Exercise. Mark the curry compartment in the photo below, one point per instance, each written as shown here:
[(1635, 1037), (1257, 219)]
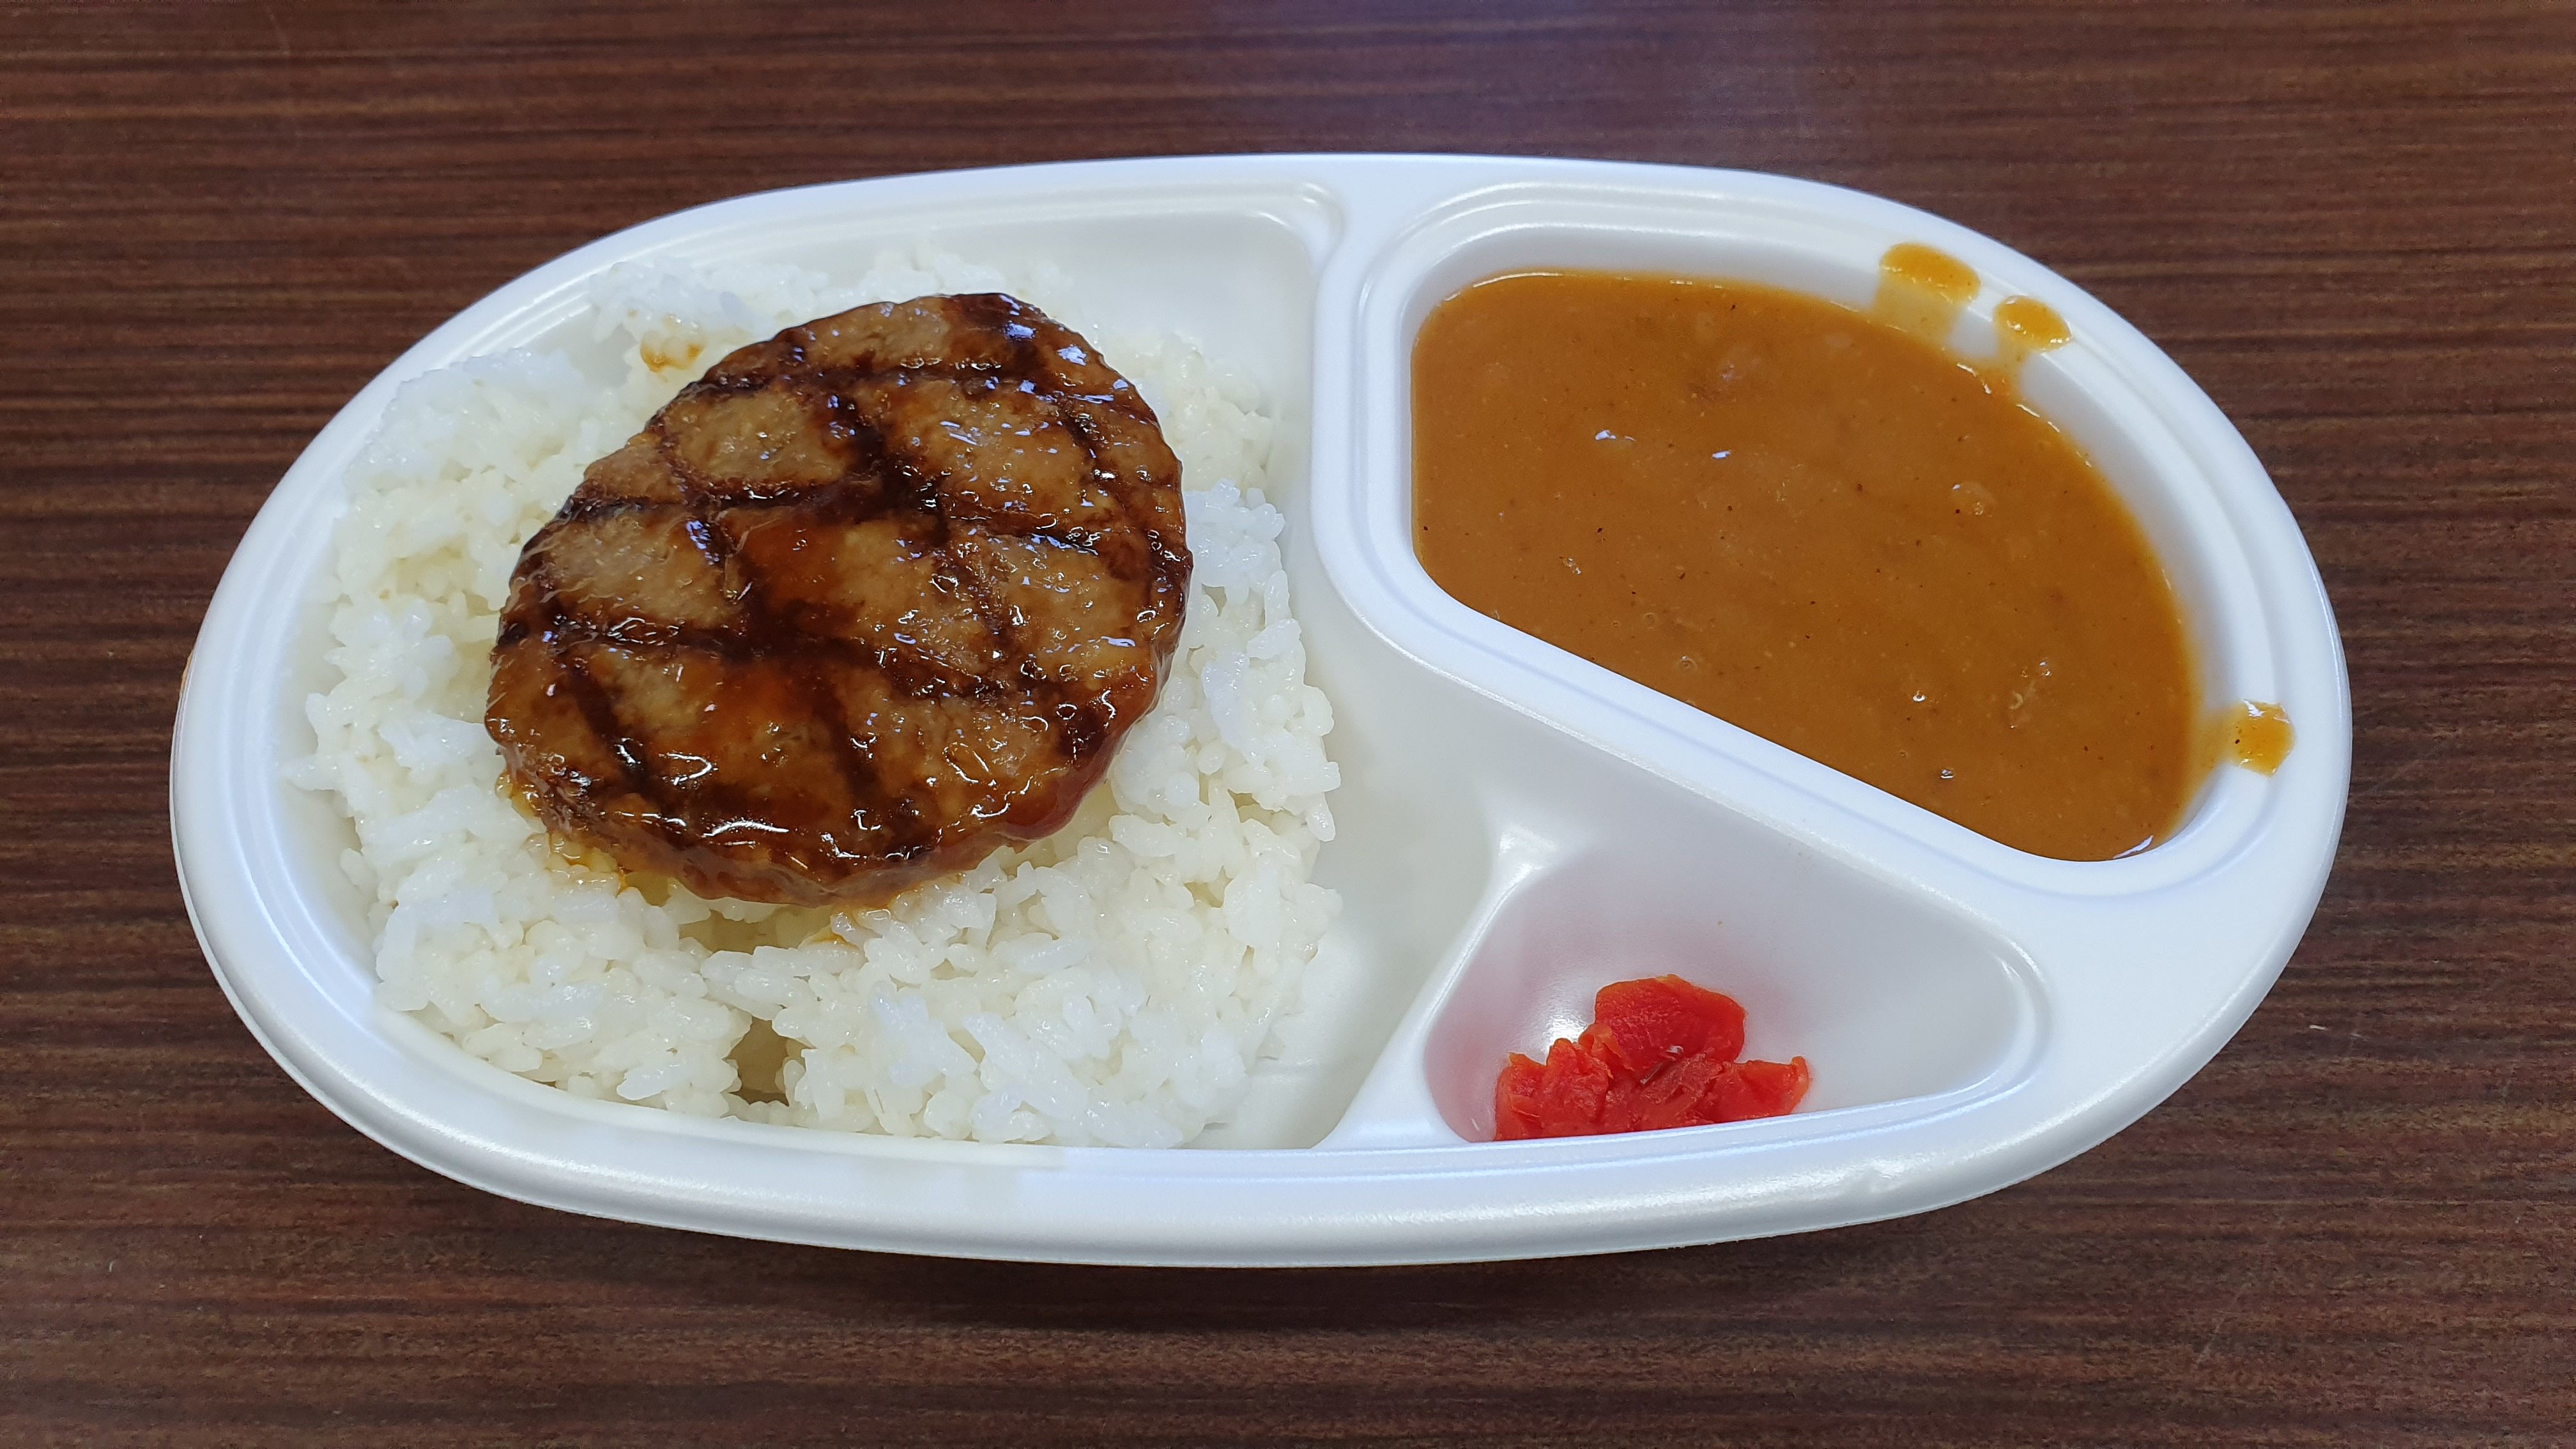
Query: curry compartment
[(1515, 827), (2137, 453)]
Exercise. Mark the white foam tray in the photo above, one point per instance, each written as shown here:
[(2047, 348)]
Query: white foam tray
[(1517, 826)]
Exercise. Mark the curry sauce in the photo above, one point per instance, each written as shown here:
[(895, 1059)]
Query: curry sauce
[(1821, 526)]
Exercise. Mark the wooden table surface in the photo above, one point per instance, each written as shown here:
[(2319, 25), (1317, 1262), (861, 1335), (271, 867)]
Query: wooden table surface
[(2355, 225)]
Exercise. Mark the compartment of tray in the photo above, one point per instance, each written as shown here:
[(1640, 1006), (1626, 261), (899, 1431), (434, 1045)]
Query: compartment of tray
[(1887, 995), (1234, 270), (1601, 871)]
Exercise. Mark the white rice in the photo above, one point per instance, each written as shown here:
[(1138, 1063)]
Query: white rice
[(1112, 984)]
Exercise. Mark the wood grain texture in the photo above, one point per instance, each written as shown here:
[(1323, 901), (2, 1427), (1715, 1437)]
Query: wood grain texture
[(2355, 224)]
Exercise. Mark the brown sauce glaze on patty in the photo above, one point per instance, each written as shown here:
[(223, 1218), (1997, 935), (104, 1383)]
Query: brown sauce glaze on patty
[(869, 600)]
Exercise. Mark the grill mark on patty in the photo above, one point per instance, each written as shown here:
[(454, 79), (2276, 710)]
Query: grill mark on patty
[(598, 708), (600, 712), (769, 636), (844, 416)]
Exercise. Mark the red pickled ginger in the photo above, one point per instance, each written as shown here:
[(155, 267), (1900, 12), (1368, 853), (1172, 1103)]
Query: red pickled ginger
[(1660, 1052)]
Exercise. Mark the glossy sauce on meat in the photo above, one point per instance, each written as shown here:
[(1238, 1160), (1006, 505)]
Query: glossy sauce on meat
[(869, 600), (1821, 526)]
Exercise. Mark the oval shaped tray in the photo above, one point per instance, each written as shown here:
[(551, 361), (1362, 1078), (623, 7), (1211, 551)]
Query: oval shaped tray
[(1517, 826)]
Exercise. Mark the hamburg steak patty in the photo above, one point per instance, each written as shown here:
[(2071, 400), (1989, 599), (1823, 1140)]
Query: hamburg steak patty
[(868, 600)]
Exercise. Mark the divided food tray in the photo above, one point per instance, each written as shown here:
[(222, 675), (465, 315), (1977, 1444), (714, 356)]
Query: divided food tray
[(1517, 826)]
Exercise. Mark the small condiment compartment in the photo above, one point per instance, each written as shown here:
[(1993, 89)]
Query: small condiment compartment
[(1517, 826)]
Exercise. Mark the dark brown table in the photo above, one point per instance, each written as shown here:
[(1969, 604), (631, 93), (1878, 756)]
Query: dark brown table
[(2356, 225)]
